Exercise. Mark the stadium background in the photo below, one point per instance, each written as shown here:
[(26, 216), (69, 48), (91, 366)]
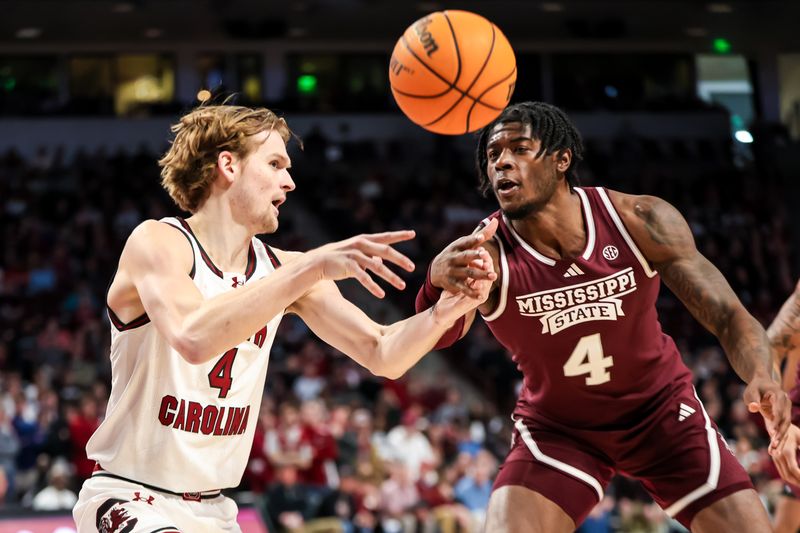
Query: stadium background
[(698, 102)]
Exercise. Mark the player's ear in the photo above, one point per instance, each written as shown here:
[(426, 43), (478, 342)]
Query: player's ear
[(227, 164), (563, 159)]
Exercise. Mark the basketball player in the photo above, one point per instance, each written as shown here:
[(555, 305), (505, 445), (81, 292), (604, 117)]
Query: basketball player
[(195, 305), (605, 391), (784, 334)]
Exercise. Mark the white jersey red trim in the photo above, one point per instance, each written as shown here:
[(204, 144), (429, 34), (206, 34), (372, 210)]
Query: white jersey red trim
[(175, 425)]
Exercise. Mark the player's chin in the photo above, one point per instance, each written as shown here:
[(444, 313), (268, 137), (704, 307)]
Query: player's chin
[(270, 224)]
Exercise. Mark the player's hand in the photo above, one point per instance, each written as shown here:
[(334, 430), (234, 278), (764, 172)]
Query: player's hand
[(785, 456), (764, 395), (354, 257), (452, 269), (452, 305)]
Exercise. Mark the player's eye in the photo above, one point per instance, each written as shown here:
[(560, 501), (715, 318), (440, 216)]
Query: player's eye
[(521, 149), (492, 155), (274, 164)]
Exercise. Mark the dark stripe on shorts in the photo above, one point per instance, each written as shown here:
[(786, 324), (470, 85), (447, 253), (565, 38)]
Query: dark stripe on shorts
[(103, 473)]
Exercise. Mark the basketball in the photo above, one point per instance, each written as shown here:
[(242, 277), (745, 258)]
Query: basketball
[(452, 72)]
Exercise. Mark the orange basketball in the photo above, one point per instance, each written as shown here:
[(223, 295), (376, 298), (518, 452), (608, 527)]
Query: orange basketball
[(452, 72)]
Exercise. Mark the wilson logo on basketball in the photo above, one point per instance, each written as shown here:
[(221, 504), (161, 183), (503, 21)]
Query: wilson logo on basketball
[(425, 37), (561, 308)]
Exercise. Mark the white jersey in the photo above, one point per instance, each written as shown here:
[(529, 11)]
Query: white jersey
[(175, 425)]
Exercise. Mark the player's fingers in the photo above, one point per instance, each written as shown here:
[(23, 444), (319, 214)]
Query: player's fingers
[(375, 264), (364, 278), (486, 264), (786, 463), (474, 272), (487, 232), (466, 289), (753, 407), (790, 453), (465, 257), (385, 252), (390, 237)]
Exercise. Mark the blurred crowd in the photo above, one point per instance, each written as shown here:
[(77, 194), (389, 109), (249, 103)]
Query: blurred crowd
[(337, 448)]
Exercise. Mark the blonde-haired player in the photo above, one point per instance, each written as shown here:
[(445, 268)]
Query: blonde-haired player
[(194, 307)]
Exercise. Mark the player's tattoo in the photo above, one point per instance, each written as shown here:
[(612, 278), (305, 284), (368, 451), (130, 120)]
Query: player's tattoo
[(654, 226), (783, 329), (704, 291), (783, 345)]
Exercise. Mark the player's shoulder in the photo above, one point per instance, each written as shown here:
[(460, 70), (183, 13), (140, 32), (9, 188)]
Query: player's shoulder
[(156, 242), (635, 208), (286, 256), (657, 227)]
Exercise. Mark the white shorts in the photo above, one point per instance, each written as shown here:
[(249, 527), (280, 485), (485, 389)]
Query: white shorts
[(109, 505)]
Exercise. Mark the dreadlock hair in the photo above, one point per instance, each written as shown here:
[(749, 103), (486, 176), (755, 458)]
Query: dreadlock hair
[(548, 123)]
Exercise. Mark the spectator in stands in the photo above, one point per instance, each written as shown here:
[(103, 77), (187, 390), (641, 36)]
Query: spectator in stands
[(56, 496)]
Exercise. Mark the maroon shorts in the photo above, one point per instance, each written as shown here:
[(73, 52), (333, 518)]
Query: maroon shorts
[(676, 452)]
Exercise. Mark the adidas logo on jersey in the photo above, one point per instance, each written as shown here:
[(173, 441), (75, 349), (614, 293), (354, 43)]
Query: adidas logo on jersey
[(573, 270), (684, 412)]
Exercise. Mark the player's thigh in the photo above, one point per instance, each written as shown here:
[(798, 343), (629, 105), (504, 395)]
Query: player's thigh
[(113, 512), (682, 460), (740, 511), (562, 470), (515, 509), (787, 515)]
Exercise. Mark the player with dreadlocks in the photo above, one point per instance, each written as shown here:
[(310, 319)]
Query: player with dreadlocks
[(604, 389)]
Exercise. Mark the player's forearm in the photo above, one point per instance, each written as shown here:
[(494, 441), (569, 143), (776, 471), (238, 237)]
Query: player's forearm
[(785, 326), (747, 347), (404, 343), (224, 321)]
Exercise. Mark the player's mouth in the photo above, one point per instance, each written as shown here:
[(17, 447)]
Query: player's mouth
[(277, 203), (506, 187)]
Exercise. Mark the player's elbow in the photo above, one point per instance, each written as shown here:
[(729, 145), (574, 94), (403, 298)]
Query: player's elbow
[(387, 371), (189, 348), (387, 367)]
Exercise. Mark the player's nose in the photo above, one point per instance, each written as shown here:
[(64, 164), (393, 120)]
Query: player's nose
[(287, 184), (505, 161)]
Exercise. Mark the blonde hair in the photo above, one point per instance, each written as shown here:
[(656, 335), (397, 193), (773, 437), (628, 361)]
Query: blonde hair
[(189, 167)]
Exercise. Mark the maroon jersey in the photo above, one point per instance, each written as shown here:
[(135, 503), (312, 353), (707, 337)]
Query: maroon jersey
[(585, 331)]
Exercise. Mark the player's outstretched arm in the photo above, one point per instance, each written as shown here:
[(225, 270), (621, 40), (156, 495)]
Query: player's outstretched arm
[(385, 350), (452, 270), (784, 335), (153, 277), (666, 240)]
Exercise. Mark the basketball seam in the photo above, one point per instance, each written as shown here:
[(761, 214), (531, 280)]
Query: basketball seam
[(471, 85), (450, 85), (455, 43), (475, 102), (483, 67)]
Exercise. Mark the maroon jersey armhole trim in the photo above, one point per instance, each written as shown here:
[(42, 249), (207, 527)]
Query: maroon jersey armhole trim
[(139, 321), (194, 261), (251, 262), (203, 253), (272, 257)]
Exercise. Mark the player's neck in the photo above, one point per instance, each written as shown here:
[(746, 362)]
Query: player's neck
[(225, 241), (557, 230)]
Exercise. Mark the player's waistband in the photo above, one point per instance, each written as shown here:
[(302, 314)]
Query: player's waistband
[(99, 471)]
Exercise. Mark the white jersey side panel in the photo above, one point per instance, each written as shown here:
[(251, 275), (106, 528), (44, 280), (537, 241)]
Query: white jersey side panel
[(178, 426)]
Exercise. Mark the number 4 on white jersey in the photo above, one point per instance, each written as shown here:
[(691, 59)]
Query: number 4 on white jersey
[(587, 358)]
